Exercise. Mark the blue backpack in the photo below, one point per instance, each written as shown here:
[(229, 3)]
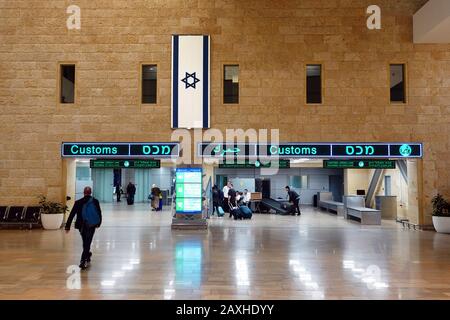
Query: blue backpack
[(90, 214)]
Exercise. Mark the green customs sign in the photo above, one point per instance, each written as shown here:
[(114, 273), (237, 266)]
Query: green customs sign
[(130, 150), (359, 164), (293, 150), (281, 164), (124, 164)]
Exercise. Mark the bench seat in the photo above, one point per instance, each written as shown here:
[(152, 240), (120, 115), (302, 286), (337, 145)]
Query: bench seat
[(367, 216), (338, 207)]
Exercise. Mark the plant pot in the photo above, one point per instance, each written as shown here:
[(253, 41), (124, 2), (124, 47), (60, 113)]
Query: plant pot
[(52, 221), (441, 224)]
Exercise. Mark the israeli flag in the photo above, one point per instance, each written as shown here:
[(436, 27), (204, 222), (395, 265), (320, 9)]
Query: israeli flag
[(190, 81)]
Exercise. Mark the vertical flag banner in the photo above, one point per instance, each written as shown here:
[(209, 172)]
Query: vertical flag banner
[(190, 81)]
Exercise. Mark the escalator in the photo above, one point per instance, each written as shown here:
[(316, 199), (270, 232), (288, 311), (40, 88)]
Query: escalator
[(275, 205)]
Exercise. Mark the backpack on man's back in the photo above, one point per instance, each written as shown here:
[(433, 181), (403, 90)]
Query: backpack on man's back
[(90, 213)]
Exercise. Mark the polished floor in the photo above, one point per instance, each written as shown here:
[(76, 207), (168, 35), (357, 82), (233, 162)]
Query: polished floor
[(315, 256)]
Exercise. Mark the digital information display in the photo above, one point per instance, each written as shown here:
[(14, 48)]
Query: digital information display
[(281, 164), (188, 190), (123, 164), (359, 164), (115, 150), (313, 150)]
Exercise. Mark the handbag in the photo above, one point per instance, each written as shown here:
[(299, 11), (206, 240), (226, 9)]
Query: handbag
[(150, 197)]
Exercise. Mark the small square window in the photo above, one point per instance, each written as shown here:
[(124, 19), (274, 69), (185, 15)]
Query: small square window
[(397, 83), (149, 83), (231, 84), (67, 90), (314, 83)]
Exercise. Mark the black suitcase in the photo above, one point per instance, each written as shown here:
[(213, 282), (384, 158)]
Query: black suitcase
[(289, 208), (237, 214)]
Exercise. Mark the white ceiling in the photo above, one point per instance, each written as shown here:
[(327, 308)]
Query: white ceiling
[(432, 22)]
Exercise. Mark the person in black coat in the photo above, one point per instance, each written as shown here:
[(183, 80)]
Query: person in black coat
[(294, 198), (131, 191), (217, 199), (86, 232), (118, 189)]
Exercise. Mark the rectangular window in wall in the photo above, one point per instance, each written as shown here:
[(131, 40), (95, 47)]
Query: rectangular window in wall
[(67, 94), (231, 84), (149, 83), (314, 83), (398, 88), (298, 182)]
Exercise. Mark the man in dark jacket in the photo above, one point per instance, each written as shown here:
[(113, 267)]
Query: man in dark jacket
[(131, 191), (86, 231), (294, 198), (217, 196), (118, 192)]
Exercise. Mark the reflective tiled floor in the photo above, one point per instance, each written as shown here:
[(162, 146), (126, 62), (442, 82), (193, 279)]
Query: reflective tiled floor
[(315, 256)]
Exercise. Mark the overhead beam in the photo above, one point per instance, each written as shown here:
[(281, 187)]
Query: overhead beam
[(372, 186)]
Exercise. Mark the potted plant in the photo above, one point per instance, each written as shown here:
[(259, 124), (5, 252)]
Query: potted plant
[(441, 214), (52, 213)]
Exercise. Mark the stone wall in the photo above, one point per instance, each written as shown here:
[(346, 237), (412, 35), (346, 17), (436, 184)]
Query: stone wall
[(270, 39)]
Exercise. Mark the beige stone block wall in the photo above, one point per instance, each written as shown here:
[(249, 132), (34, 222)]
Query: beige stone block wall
[(356, 179), (271, 40)]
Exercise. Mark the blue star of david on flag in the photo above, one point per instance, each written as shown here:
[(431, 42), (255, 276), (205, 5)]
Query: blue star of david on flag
[(193, 82)]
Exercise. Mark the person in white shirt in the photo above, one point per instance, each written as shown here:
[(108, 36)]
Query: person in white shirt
[(246, 199), (225, 190)]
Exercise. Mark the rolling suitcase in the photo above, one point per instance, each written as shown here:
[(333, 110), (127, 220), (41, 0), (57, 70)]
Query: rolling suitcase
[(236, 213), (220, 212), (246, 212)]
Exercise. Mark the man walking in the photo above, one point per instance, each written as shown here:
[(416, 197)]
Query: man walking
[(294, 198), (131, 191), (118, 189), (89, 217)]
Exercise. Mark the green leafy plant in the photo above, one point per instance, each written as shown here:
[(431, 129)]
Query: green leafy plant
[(49, 207), (441, 207)]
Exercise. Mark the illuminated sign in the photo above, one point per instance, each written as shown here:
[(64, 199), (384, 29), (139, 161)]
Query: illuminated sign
[(359, 164), (281, 164), (188, 190), (226, 150), (120, 150), (293, 150), (118, 164), (312, 150)]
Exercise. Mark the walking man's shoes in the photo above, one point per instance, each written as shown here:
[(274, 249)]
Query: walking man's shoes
[(83, 265)]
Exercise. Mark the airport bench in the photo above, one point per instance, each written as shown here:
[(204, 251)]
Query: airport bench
[(20, 216), (335, 206), (325, 201), (367, 216)]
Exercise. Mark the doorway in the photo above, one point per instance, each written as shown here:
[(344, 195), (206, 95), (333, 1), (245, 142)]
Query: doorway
[(336, 186), (387, 185)]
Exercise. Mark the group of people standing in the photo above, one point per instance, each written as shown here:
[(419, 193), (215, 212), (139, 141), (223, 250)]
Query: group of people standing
[(229, 199), (131, 191), (155, 195)]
